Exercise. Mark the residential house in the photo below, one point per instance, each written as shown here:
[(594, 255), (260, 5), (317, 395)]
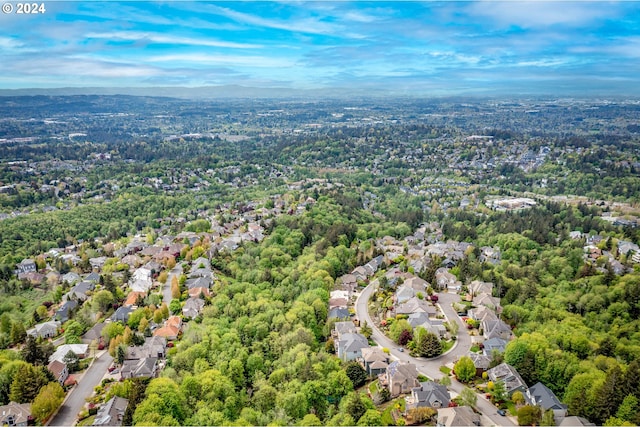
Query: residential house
[(540, 395), (490, 255), (480, 361), (348, 281), (494, 344), (98, 263), (338, 303), (122, 314), (350, 346), (375, 361), (25, 266), (199, 282), (417, 284), (81, 291), (139, 368), (15, 414), (446, 280), (59, 371), (71, 277), (482, 313), (478, 287), (92, 277), (80, 350), (65, 311), (141, 280), (339, 293), (458, 416), (509, 376), (338, 313), (45, 330), (496, 329), (401, 378), (404, 293), (486, 300), (133, 297), (33, 277), (575, 422), (133, 261), (112, 412), (152, 347), (199, 292), (192, 307), (428, 394), (416, 305), (95, 333), (421, 319), (347, 327), (171, 328), (360, 273)]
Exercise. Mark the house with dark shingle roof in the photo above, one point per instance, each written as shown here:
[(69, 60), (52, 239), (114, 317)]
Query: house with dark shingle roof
[(428, 394), (112, 412), (540, 395)]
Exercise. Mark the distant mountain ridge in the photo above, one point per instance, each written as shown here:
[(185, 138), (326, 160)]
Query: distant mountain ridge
[(203, 92)]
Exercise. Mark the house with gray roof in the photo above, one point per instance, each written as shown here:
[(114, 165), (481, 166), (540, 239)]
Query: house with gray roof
[(497, 344), (338, 313), (192, 307), (496, 329), (112, 412), (15, 414), (416, 305), (428, 394), (139, 368), (350, 346), (509, 376), (575, 422), (344, 328), (480, 361), (374, 360), (540, 395), (45, 330), (457, 417)]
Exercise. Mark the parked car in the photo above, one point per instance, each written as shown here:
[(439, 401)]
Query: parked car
[(502, 412)]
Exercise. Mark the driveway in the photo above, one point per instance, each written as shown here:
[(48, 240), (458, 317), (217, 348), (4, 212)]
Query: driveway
[(68, 413), (431, 367)]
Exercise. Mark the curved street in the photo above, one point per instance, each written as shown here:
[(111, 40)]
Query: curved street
[(431, 367), (75, 401)]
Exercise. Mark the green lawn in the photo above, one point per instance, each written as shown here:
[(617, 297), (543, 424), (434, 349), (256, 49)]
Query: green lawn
[(446, 345), (87, 421)]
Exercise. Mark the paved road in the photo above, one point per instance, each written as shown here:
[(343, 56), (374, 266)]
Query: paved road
[(431, 367), (166, 289), (67, 415)]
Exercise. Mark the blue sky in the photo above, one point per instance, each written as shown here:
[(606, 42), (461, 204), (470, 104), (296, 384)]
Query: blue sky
[(439, 48)]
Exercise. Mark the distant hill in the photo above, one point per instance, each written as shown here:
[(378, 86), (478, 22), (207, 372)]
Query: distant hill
[(205, 92)]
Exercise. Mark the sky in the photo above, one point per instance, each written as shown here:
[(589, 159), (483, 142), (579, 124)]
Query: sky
[(408, 47)]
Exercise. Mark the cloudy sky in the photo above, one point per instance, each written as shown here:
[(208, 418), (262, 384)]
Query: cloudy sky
[(481, 47)]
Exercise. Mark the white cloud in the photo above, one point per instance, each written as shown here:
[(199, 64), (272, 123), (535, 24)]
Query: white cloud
[(231, 60), (164, 39), (533, 14)]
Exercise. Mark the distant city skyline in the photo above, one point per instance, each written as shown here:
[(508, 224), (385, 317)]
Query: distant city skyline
[(437, 48)]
